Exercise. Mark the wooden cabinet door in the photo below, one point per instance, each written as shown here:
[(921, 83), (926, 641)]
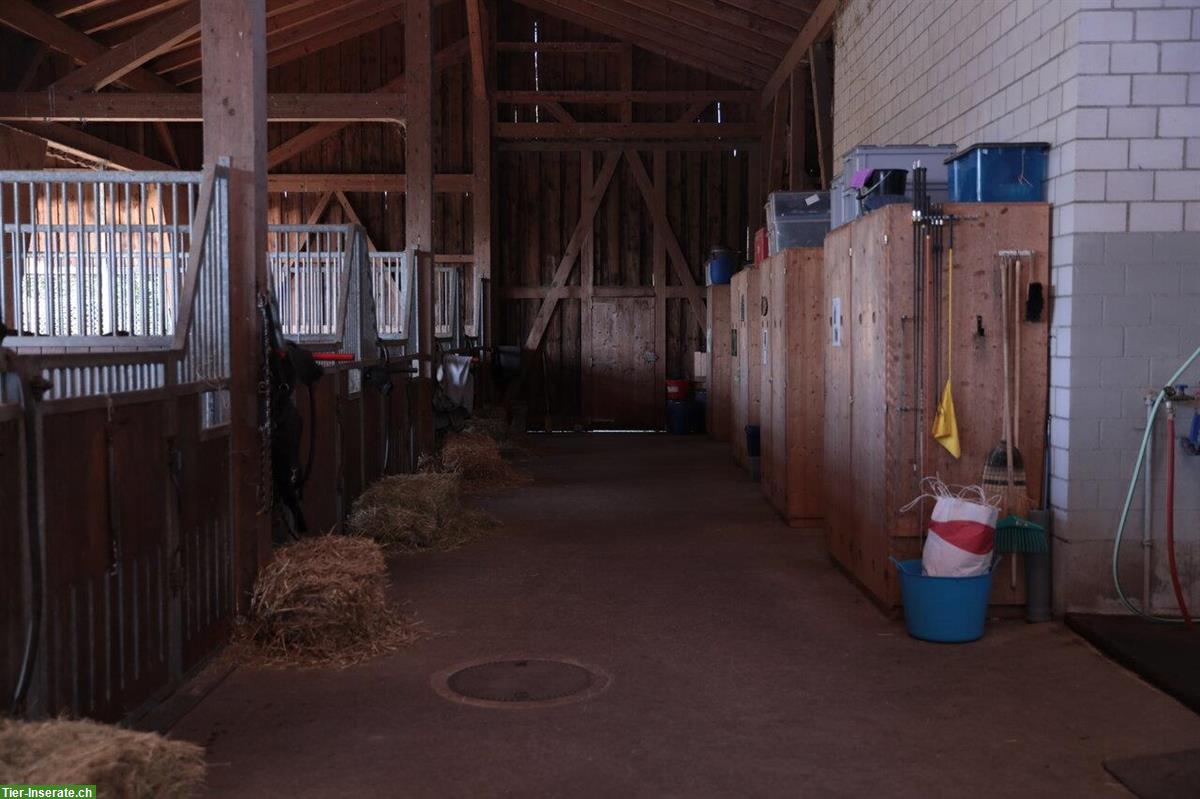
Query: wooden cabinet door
[(621, 371)]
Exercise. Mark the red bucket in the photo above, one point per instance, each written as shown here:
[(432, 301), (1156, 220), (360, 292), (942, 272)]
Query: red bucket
[(678, 389)]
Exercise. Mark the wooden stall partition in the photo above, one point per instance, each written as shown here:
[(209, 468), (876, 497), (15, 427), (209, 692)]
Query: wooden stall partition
[(746, 363), (720, 380), (14, 577), (794, 320), (877, 446)]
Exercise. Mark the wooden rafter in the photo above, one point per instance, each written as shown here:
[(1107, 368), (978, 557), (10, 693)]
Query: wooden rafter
[(122, 13), (812, 30), (475, 35), (133, 52), (617, 97), (822, 88), (33, 22), (587, 212), (445, 183), (656, 202), (625, 131), (185, 107), (84, 145)]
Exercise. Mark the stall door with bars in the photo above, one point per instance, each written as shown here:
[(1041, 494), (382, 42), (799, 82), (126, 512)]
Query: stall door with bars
[(620, 375)]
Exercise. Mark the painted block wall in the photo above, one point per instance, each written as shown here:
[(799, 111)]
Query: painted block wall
[(1114, 87)]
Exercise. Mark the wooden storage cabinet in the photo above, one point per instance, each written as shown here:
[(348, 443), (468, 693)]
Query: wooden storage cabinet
[(792, 316), (878, 413), (745, 357), (720, 385)]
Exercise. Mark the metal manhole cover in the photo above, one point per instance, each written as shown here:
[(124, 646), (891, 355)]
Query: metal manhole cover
[(520, 682)]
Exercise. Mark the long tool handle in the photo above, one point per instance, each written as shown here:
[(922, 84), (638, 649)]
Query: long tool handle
[(1018, 291), (1004, 277)]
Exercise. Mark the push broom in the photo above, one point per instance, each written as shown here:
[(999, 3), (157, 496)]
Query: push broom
[(1005, 468)]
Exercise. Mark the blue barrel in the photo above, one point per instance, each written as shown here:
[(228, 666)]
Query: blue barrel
[(721, 266), (679, 417), (753, 441), (943, 609)]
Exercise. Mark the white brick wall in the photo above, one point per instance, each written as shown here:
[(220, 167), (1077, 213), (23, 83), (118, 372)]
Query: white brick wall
[(1114, 86)]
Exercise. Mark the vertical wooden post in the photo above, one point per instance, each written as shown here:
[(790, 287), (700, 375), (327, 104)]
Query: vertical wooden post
[(418, 200), (822, 89), (234, 53), (754, 182), (798, 132), (481, 159), (659, 175), (587, 280)]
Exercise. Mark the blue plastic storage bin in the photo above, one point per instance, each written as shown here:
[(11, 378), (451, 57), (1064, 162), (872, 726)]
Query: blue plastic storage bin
[(679, 417), (999, 173), (943, 609)]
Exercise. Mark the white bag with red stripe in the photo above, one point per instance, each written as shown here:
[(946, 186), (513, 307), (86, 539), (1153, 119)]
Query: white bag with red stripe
[(962, 530)]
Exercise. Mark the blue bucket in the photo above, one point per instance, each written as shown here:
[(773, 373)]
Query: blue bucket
[(943, 609), (679, 417)]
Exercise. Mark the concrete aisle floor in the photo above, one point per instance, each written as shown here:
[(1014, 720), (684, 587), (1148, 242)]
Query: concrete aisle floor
[(743, 664)]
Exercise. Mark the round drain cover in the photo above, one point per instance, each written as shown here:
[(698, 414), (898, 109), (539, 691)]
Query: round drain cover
[(520, 682)]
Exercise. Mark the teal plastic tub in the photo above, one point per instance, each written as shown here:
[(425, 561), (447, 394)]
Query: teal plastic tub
[(943, 609)]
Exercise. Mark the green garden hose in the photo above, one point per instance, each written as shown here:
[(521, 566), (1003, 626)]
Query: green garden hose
[(1137, 470)]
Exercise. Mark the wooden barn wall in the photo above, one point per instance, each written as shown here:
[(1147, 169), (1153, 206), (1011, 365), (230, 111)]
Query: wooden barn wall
[(538, 200)]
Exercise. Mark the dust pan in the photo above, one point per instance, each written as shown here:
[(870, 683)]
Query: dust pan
[(945, 425)]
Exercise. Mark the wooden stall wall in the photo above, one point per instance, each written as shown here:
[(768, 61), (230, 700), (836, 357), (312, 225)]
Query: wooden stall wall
[(720, 378), (793, 316), (14, 585), (538, 200), (877, 448)]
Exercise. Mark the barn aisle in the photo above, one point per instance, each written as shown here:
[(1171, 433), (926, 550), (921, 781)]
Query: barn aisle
[(741, 663)]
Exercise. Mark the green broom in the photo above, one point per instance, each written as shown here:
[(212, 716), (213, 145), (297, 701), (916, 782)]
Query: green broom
[(1017, 535)]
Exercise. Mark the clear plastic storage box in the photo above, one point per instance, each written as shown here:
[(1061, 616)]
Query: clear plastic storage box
[(796, 219), (999, 173)]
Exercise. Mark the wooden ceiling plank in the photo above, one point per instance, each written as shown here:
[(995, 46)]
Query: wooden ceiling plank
[(132, 53), (650, 41), (703, 23), (728, 14), (282, 15), (774, 11), (305, 40), (808, 35), (684, 28)]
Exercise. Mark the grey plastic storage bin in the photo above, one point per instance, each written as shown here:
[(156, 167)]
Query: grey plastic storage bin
[(796, 219), (845, 204)]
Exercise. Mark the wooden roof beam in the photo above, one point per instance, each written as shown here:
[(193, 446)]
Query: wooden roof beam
[(623, 131), (707, 19), (616, 96), (185, 106), (298, 16), (92, 148), (813, 28), (132, 53)]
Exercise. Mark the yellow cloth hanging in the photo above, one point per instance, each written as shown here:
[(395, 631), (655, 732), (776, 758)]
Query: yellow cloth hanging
[(945, 425)]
